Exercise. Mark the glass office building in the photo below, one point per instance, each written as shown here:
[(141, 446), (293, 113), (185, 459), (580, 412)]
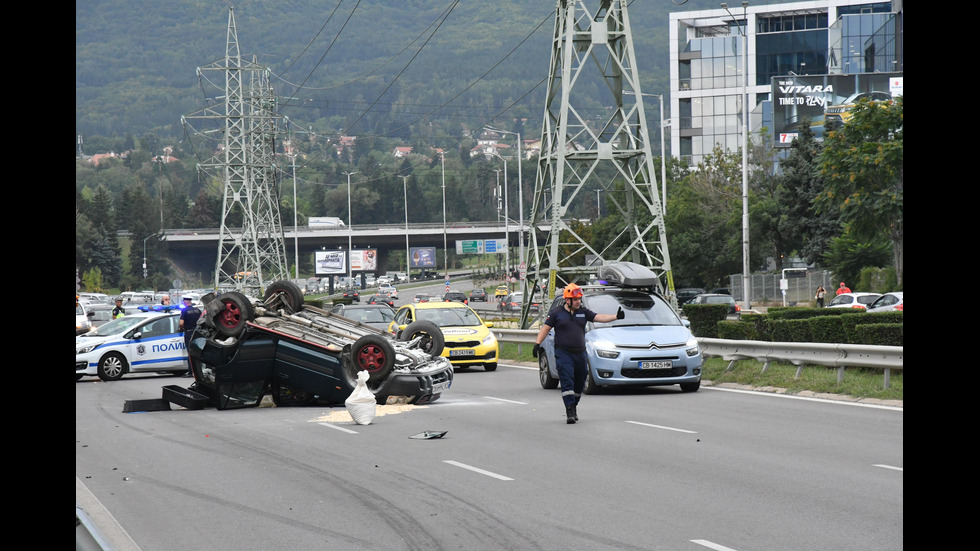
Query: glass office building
[(707, 89)]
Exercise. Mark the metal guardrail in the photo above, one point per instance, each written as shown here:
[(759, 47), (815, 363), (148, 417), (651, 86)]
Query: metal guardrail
[(799, 354)]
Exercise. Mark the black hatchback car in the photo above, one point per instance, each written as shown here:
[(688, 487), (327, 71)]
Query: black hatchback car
[(478, 294), (455, 296), (717, 298), (245, 348)]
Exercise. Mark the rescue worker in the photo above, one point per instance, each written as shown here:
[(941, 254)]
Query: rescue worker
[(188, 323), (118, 311), (571, 359)]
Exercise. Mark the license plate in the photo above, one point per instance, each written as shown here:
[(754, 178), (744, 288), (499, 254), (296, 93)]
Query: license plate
[(458, 353), (440, 387), (658, 364)]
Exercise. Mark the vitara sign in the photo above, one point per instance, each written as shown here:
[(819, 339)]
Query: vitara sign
[(823, 101)]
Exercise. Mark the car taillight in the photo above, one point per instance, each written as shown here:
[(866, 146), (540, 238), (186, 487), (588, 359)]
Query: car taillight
[(900, 307), (738, 308)]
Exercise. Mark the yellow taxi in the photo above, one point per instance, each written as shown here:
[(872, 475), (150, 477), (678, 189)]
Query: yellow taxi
[(468, 339), (501, 292)]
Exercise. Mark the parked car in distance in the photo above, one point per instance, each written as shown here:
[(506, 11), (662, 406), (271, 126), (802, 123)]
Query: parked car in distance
[(687, 293), (888, 302), (378, 316), (650, 346), (390, 289), (380, 298), (353, 295), (99, 314), (82, 322), (721, 291), (468, 339), (514, 302), (714, 298), (478, 295), (455, 296), (853, 300)]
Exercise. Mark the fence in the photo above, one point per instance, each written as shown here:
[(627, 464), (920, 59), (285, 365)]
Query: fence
[(765, 287)]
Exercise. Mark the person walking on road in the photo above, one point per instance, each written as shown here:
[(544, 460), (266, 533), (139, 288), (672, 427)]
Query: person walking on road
[(843, 289), (821, 293), (188, 323), (571, 360)]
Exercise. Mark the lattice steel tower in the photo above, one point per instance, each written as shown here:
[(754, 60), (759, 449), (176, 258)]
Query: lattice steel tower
[(251, 247), (582, 152)]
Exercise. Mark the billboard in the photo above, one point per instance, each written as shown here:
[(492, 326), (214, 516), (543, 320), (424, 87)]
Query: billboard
[(824, 101), (364, 260), (330, 262), (480, 246), (423, 257)]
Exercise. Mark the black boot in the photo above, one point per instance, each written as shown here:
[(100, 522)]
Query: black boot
[(570, 415)]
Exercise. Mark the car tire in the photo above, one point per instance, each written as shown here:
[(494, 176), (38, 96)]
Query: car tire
[(112, 367), (374, 354), (238, 310), (690, 387), (590, 386), (78, 376), (288, 292), (490, 367), (433, 344), (544, 375)]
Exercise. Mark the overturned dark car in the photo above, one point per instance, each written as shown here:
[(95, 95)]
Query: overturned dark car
[(245, 348)]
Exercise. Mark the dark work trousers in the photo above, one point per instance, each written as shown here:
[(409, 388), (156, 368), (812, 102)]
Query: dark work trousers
[(572, 370), (187, 347)]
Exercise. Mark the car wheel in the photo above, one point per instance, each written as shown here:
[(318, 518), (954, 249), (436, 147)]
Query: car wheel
[(287, 292), (374, 354), (544, 375), (590, 386), (690, 387), (78, 376), (433, 342), (230, 322), (112, 367), (490, 367)]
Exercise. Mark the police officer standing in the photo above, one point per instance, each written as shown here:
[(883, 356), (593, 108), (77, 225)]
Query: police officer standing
[(118, 311), (571, 359), (188, 323)]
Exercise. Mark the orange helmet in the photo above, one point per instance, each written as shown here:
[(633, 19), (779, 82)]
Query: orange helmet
[(572, 291)]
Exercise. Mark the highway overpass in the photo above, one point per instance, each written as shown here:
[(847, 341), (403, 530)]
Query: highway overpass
[(196, 250)]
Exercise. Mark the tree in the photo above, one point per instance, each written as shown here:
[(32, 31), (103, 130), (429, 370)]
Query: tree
[(863, 167), (801, 183)]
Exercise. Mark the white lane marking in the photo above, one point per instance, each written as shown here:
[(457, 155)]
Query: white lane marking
[(711, 545), (503, 400), (342, 429), (476, 470), (808, 398), (890, 467), (662, 427)]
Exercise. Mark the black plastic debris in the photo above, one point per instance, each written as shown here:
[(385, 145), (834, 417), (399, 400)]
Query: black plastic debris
[(137, 406), (429, 434)]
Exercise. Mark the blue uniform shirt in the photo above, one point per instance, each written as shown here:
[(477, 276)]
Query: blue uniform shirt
[(569, 328)]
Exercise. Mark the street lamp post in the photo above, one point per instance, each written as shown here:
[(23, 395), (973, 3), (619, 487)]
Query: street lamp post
[(746, 284), (520, 189), (295, 219), (408, 268), (445, 241), (663, 151), (506, 223), (144, 252), (350, 234)]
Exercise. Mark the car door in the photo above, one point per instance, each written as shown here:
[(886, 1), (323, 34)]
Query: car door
[(160, 346)]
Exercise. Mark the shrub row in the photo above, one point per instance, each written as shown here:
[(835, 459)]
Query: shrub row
[(825, 325)]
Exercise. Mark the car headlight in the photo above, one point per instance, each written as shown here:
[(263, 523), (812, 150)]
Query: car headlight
[(606, 349), (85, 349), (692, 347), (489, 339)]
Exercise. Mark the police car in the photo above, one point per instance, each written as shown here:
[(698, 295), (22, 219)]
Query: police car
[(148, 341)]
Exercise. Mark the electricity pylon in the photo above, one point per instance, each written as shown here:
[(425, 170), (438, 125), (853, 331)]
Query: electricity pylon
[(251, 247), (593, 50)]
